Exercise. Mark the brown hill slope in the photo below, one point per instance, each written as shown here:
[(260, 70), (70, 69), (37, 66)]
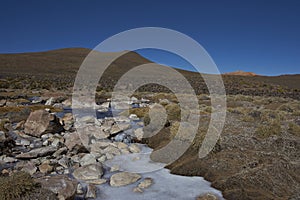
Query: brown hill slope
[(57, 69)]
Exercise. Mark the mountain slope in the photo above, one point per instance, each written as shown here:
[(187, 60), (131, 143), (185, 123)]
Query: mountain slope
[(58, 68)]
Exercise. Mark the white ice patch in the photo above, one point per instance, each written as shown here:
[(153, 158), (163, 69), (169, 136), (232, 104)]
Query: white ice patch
[(165, 185)]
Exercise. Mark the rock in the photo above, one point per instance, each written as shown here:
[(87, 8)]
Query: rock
[(87, 119), (26, 166), (137, 190), (45, 168), (123, 178), (79, 189), (2, 102), (104, 107), (67, 103), (72, 139), (121, 105), (40, 122), (2, 136), (6, 159), (134, 148), (87, 160), (25, 142), (164, 102), (121, 119), (122, 137), (122, 145), (55, 142), (96, 181), (115, 168), (207, 196), (50, 101), (58, 105), (39, 152), (36, 100), (134, 100), (99, 133), (88, 172), (61, 185), (116, 128), (60, 151), (134, 117), (111, 150), (64, 162), (91, 191), (147, 182), (19, 125), (139, 133)]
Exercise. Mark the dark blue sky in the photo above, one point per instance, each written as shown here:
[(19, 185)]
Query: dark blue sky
[(260, 36)]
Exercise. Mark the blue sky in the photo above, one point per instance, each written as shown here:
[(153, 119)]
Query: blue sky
[(258, 36)]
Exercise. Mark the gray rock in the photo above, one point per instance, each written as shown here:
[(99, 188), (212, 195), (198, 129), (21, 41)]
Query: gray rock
[(88, 172), (147, 182), (45, 168), (2, 102), (39, 152), (2, 136), (61, 185), (87, 160), (123, 178), (40, 122), (72, 139), (26, 166), (50, 101), (134, 148), (91, 191), (116, 128), (139, 133), (79, 189)]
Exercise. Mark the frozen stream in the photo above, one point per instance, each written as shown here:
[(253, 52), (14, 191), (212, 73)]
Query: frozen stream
[(165, 185)]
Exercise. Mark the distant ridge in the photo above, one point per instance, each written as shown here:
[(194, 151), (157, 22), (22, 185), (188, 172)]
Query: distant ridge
[(241, 73)]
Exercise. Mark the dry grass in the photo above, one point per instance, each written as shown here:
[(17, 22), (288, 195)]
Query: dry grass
[(294, 129), (7, 109), (16, 186)]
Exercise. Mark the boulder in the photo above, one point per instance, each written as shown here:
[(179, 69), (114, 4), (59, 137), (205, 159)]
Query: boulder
[(45, 168), (124, 178), (72, 140), (61, 185), (39, 152), (40, 122), (89, 172), (88, 159)]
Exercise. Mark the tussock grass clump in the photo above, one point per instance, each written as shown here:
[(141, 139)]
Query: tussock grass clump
[(170, 96), (16, 186), (267, 115), (294, 129), (140, 112), (267, 129), (173, 111), (286, 108), (243, 98)]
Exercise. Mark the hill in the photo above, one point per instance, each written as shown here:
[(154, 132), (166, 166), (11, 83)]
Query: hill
[(57, 69)]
